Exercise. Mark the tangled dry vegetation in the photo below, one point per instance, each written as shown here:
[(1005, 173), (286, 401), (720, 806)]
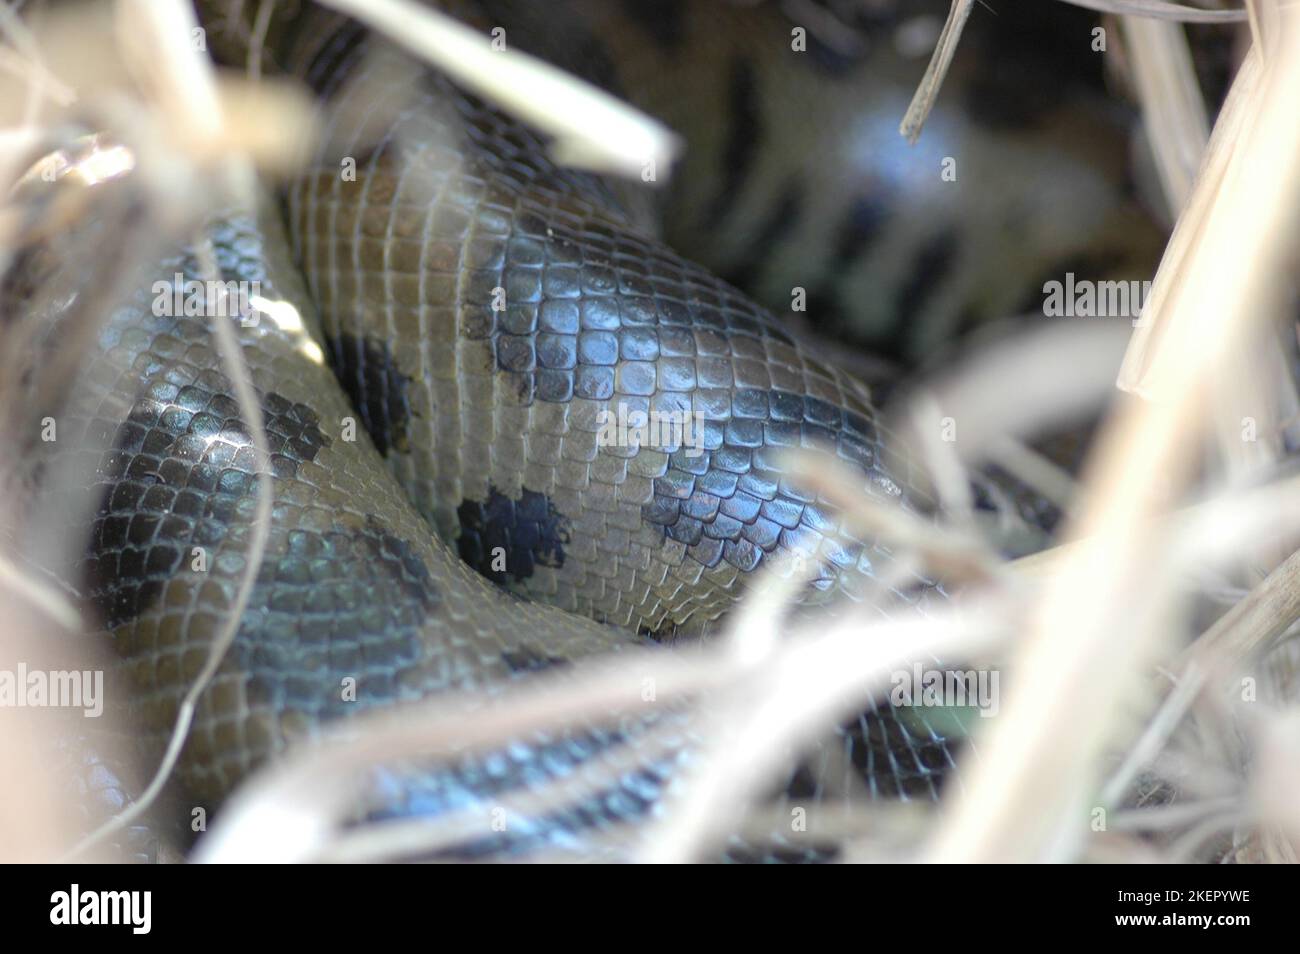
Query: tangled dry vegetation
[(1124, 735)]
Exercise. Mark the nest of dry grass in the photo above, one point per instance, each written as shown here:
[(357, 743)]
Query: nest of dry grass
[(1109, 705)]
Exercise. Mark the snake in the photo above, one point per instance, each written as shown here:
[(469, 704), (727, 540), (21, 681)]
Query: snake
[(445, 332)]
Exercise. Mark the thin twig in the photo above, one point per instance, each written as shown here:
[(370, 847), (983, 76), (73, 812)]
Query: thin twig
[(592, 129), (928, 89)]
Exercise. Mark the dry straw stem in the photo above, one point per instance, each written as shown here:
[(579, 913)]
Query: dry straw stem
[(418, 837), (819, 676), (182, 72), (1217, 529), (1173, 112), (39, 595), (932, 80), (1096, 627), (1276, 783), (1135, 374), (1036, 470), (1161, 10), (290, 810), (951, 554), (293, 810), (928, 90), (592, 129), (795, 702), (34, 808), (1244, 632), (1249, 628)]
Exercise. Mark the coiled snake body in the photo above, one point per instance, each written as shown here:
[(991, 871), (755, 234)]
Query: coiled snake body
[(481, 308)]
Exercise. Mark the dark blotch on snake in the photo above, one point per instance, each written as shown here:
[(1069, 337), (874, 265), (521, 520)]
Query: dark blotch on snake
[(368, 372), (174, 476), (528, 530)]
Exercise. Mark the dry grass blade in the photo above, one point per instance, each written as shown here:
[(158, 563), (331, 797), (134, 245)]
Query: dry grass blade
[(288, 811), (169, 20), (1276, 781), (1135, 373), (821, 676), (928, 90), (1268, 610), (39, 595), (1243, 633), (1095, 627), (592, 129), (1161, 10), (951, 554), (1173, 110)]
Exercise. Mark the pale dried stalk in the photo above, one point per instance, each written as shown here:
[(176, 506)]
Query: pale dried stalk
[(1242, 633), (425, 836), (155, 37), (1274, 787), (592, 129), (1161, 10), (1247, 629), (289, 810), (1228, 129), (1220, 528), (53, 605), (928, 90), (1094, 628), (27, 63), (808, 687), (949, 553), (1174, 115), (1173, 110), (174, 18), (1035, 470)]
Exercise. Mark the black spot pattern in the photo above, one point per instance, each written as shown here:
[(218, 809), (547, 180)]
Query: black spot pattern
[(1090, 266), (368, 372), (528, 530), (172, 481), (1031, 60), (597, 315)]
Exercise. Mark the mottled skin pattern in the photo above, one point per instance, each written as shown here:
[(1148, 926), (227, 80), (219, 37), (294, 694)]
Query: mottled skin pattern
[(351, 585), (482, 421), (593, 315)]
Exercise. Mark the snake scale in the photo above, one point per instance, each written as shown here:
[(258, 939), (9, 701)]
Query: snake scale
[(480, 308)]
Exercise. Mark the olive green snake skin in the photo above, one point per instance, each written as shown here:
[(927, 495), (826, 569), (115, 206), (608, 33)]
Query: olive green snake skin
[(481, 308)]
